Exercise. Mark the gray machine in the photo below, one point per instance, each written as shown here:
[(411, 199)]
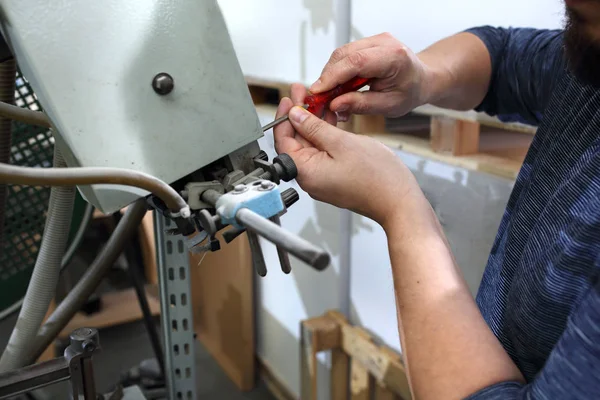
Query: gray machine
[(154, 87)]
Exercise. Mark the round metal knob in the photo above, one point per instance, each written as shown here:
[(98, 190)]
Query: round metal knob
[(163, 83)]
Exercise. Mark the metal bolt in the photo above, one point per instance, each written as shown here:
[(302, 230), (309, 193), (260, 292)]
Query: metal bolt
[(163, 83)]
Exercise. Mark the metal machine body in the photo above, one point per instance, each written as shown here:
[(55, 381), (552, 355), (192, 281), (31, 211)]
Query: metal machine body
[(155, 86), (101, 71), (75, 366)]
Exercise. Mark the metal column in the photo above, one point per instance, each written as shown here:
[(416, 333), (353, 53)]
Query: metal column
[(176, 311)]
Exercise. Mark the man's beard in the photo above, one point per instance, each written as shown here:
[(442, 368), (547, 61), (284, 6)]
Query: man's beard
[(582, 51)]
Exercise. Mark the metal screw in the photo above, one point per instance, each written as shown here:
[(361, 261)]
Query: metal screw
[(239, 188), (163, 83)]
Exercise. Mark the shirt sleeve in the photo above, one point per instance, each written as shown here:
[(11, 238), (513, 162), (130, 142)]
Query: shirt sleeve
[(573, 369), (526, 65)]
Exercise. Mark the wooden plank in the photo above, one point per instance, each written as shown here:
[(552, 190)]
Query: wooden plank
[(223, 308), (368, 123), (316, 334), (385, 368), (117, 308), (360, 380), (340, 364), (308, 363), (481, 118), (383, 393), (148, 248), (453, 136)]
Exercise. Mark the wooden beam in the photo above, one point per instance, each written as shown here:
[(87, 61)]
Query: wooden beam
[(368, 124), (453, 136), (386, 368), (316, 334), (340, 364), (383, 393), (360, 380)]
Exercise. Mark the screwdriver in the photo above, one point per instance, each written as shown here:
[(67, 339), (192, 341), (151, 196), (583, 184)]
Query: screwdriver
[(316, 103)]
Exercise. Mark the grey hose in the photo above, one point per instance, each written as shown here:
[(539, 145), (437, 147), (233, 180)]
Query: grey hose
[(42, 286), (25, 115), (92, 176), (89, 282), (8, 70)]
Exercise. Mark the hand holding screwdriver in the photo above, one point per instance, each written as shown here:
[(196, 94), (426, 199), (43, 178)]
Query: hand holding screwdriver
[(318, 103)]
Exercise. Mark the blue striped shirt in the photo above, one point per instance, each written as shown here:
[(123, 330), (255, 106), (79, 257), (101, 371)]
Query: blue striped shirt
[(540, 292)]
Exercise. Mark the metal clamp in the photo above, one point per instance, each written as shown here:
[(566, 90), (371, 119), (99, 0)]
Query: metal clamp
[(76, 365)]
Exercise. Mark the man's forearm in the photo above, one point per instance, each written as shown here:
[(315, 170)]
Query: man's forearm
[(448, 349), (461, 70)]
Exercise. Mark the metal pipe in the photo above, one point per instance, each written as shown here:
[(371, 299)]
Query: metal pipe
[(90, 280), (24, 115), (298, 247), (33, 377)]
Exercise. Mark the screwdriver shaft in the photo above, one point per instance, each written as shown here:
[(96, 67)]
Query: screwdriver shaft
[(278, 121)]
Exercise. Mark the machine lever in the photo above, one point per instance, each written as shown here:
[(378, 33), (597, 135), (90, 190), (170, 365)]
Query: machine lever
[(297, 246), (258, 260), (284, 259)]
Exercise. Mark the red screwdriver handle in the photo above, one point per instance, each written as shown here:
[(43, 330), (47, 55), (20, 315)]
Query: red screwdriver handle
[(317, 102)]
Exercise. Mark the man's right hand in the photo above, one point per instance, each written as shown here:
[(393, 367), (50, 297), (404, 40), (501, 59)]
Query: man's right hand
[(399, 78)]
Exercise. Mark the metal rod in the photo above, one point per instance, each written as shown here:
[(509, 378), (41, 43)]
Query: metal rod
[(295, 245), (284, 259), (258, 258), (278, 121), (33, 377), (89, 384)]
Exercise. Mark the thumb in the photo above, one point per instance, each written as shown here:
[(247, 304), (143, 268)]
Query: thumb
[(321, 134)]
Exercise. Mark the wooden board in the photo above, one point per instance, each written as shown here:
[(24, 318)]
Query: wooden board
[(223, 307), (148, 248), (454, 136), (117, 308)]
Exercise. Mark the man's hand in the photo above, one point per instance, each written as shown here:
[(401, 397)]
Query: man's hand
[(399, 77), (343, 169)]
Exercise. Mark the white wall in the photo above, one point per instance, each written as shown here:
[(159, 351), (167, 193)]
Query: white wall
[(469, 206), (420, 23), (285, 41)]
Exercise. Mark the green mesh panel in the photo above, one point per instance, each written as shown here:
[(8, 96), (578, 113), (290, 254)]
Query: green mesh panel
[(26, 206)]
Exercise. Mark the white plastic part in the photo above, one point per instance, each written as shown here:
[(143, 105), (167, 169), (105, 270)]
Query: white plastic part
[(91, 64)]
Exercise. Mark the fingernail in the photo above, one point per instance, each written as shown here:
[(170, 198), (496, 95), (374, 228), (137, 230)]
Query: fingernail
[(343, 107), (298, 114), (315, 86), (342, 117)]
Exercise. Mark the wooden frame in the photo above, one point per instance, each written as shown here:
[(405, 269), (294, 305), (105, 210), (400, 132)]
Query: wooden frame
[(360, 369)]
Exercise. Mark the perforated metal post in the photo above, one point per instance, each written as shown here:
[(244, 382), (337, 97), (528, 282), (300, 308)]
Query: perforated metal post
[(176, 311)]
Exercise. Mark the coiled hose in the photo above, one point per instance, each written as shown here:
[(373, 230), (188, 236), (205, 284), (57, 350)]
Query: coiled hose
[(42, 286), (8, 71), (77, 297)]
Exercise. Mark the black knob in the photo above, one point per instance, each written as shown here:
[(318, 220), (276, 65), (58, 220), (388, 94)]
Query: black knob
[(286, 168), (289, 197), (163, 83)]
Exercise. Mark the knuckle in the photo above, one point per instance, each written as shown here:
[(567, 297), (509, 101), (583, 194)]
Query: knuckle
[(357, 59), (399, 50), (386, 35), (337, 54)]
